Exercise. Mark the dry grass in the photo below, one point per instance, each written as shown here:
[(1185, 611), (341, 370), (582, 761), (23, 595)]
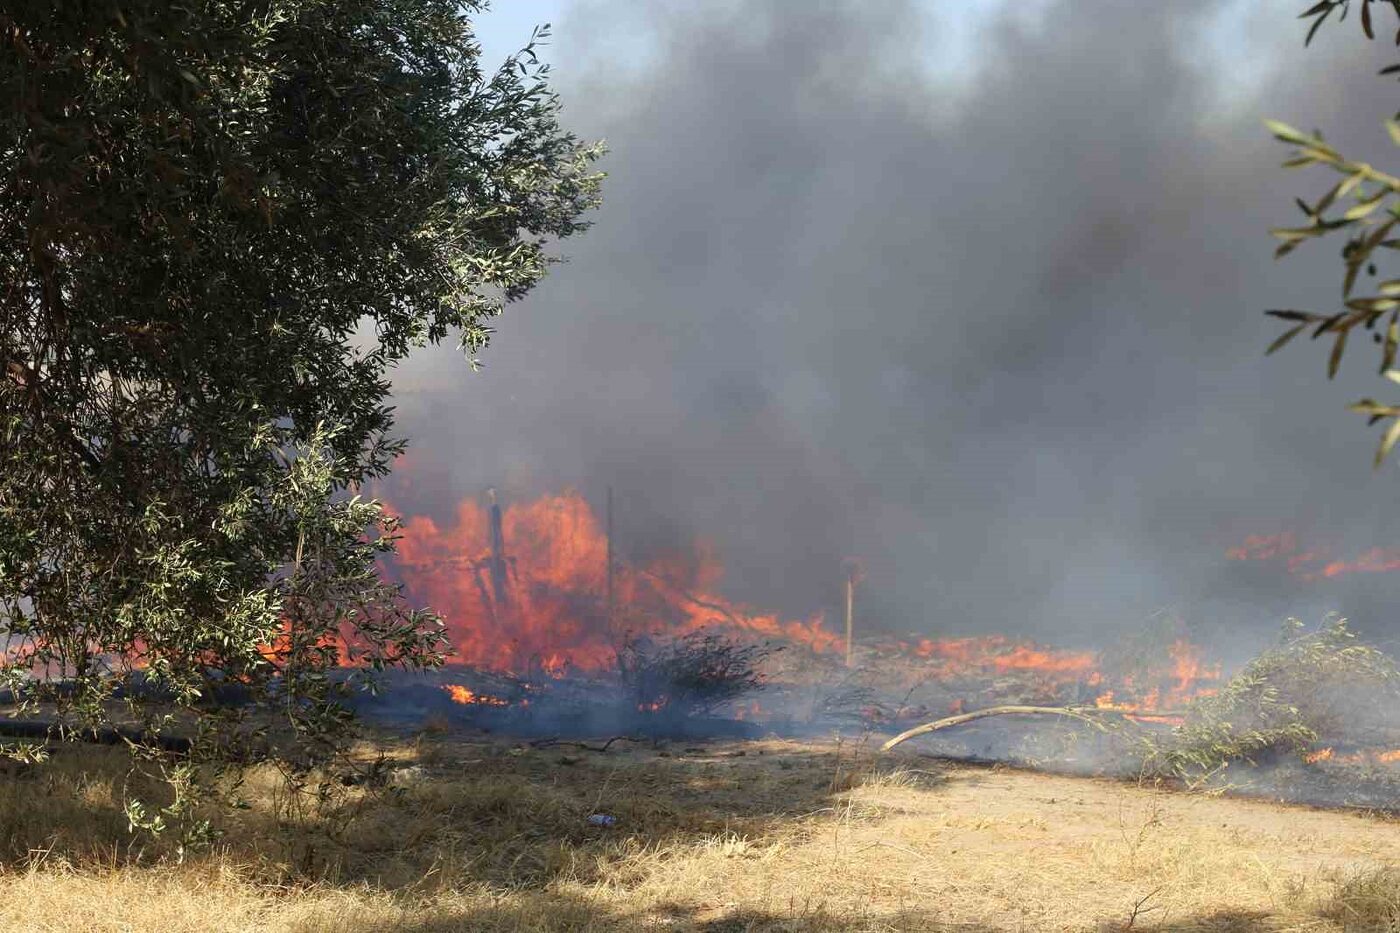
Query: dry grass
[(763, 836)]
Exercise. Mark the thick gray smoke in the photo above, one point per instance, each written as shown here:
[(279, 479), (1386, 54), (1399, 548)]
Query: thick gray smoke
[(998, 334)]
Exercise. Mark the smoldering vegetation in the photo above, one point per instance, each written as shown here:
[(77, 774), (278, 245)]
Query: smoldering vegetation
[(1313, 718)]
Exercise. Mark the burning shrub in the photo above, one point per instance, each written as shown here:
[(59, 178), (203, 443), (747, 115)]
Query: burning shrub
[(1311, 685), (690, 676)]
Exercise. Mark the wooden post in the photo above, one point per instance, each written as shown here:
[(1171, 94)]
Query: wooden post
[(498, 565), (850, 612)]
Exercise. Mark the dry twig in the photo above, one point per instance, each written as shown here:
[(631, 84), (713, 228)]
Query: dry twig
[(552, 742)]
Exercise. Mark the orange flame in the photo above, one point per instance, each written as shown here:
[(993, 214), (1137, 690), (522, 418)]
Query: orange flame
[(1184, 680), (1368, 756), (541, 606), (753, 710), (465, 696), (1314, 563), (1376, 560), (524, 590), (1187, 671), (997, 654)]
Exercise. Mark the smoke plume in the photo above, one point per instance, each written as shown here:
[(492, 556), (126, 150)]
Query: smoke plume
[(995, 328)]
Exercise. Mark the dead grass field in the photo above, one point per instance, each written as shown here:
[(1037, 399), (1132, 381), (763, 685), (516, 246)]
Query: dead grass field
[(725, 837)]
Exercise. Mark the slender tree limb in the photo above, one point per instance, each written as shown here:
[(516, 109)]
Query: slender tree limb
[(1094, 718), (554, 743), (49, 730)]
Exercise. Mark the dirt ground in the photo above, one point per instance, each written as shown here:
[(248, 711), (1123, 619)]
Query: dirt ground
[(774, 835)]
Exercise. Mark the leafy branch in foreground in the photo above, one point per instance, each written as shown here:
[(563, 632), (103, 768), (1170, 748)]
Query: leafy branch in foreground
[(1321, 11), (1364, 203)]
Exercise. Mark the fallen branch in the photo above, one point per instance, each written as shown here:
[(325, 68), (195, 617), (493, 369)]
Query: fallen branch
[(51, 731), (1093, 718), (554, 742)]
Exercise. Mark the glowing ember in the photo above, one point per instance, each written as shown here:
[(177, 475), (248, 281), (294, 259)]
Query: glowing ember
[(1105, 701), (1368, 756), (1139, 710), (1161, 718), (1376, 560), (753, 710), (468, 697)]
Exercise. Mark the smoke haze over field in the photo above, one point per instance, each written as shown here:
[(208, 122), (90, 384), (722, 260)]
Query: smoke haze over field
[(994, 326)]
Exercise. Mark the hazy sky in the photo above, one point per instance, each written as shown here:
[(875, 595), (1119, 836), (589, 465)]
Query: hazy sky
[(972, 290)]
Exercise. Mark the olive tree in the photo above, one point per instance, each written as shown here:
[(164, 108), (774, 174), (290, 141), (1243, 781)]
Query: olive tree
[(1365, 203), (221, 226)]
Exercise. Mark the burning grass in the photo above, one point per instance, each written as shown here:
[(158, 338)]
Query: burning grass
[(1312, 720), (756, 836), (533, 590), (527, 589)]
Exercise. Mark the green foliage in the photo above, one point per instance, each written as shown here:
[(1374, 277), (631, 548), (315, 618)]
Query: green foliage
[(221, 226), (1312, 684), (1321, 11), (1370, 218)]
